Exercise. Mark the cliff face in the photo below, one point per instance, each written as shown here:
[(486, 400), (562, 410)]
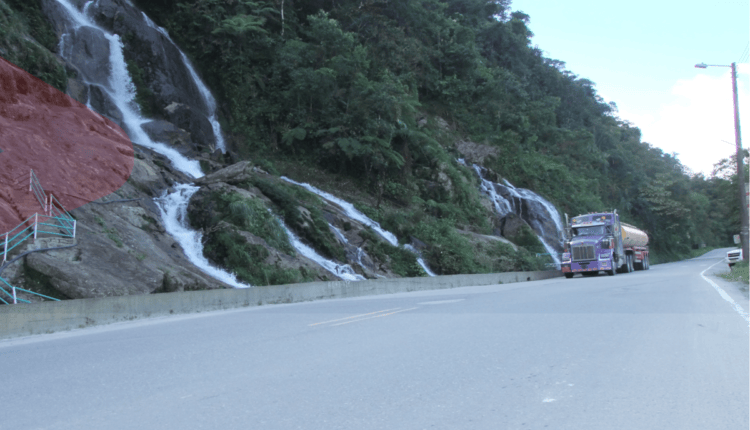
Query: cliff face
[(79, 155), (155, 225)]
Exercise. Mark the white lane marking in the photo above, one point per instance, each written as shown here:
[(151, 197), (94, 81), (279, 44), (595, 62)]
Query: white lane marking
[(353, 316), (440, 302), (725, 296), (376, 316), (548, 400)]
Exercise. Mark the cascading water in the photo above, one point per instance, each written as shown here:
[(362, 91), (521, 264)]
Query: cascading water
[(173, 206), (121, 91), (208, 98), (119, 87), (353, 213), (343, 271), (350, 211), (173, 209), (510, 200), (420, 260)]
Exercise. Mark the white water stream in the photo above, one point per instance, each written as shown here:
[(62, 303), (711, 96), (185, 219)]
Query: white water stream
[(121, 90), (208, 98), (173, 206), (353, 213), (503, 206), (343, 271)]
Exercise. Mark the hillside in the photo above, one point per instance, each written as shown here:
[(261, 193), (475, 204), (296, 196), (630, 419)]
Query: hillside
[(420, 113)]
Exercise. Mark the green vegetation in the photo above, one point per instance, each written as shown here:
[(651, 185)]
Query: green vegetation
[(739, 272), (225, 245), (245, 260), (112, 234), (28, 41), (249, 215), (301, 212), (401, 261), (143, 95), (379, 92)]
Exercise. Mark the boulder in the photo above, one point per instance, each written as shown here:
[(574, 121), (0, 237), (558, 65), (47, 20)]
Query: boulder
[(166, 132), (186, 118), (101, 102), (475, 152), (122, 247)]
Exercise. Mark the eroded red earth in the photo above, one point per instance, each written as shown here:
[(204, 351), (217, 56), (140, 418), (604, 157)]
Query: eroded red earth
[(78, 155)]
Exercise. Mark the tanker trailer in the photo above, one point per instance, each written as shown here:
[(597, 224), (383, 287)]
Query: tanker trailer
[(635, 244), (600, 242)]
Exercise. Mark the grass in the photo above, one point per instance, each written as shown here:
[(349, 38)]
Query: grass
[(312, 227), (738, 273), (230, 250), (27, 40)]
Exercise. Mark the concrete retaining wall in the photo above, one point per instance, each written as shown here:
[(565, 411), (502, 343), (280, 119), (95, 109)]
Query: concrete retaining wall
[(48, 317)]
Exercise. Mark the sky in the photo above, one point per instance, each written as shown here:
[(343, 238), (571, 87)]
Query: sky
[(642, 55)]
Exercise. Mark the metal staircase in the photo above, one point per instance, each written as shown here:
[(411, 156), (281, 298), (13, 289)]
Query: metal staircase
[(54, 221)]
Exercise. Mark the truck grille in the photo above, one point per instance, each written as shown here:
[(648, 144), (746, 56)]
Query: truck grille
[(583, 252)]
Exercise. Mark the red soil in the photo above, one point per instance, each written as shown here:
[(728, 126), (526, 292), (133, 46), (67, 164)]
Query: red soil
[(78, 155)]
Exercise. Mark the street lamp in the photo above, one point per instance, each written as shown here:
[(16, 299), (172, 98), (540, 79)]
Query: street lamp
[(740, 167)]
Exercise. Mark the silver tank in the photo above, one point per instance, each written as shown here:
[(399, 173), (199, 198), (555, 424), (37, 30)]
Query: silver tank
[(632, 236)]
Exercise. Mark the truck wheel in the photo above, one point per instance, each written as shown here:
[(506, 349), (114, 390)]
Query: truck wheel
[(639, 266), (613, 270), (569, 275)]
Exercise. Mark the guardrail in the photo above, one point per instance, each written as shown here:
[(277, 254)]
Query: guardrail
[(33, 226), (55, 221), (14, 296)]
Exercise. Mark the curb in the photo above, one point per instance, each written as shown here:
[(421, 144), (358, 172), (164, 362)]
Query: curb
[(50, 317)]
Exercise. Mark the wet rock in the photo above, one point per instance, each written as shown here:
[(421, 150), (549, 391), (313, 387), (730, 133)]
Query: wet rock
[(166, 132), (186, 118), (101, 102), (89, 50), (122, 247), (162, 66), (476, 152), (512, 225)]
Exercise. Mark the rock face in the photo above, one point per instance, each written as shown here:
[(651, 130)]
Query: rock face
[(47, 131), (88, 52), (234, 183), (120, 248), (512, 204), (244, 220), (476, 152)]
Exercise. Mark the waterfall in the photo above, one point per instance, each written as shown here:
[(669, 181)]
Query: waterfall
[(342, 271), (353, 213), (173, 208), (510, 201), (120, 89), (208, 98), (420, 260), (350, 211)]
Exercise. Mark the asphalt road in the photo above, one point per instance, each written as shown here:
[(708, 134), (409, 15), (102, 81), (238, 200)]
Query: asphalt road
[(661, 349)]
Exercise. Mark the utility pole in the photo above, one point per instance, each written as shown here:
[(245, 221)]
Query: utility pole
[(744, 220), (740, 168)]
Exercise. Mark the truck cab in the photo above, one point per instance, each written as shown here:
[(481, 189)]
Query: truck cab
[(592, 245)]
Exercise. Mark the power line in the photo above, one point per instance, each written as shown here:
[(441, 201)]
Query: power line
[(744, 55)]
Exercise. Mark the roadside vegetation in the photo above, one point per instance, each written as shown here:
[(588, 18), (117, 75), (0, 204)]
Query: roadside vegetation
[(739, 273), (377, 94)]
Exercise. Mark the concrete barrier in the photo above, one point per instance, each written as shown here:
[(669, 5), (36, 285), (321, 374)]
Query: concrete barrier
[(49, 317)]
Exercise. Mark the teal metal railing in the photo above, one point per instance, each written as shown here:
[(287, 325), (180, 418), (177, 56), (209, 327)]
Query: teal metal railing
[(13, 296), (55, 221)]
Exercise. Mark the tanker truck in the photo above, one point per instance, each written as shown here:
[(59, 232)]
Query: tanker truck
[(600, 242)]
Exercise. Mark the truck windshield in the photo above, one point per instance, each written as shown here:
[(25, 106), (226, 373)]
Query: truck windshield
[(597, 230)]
